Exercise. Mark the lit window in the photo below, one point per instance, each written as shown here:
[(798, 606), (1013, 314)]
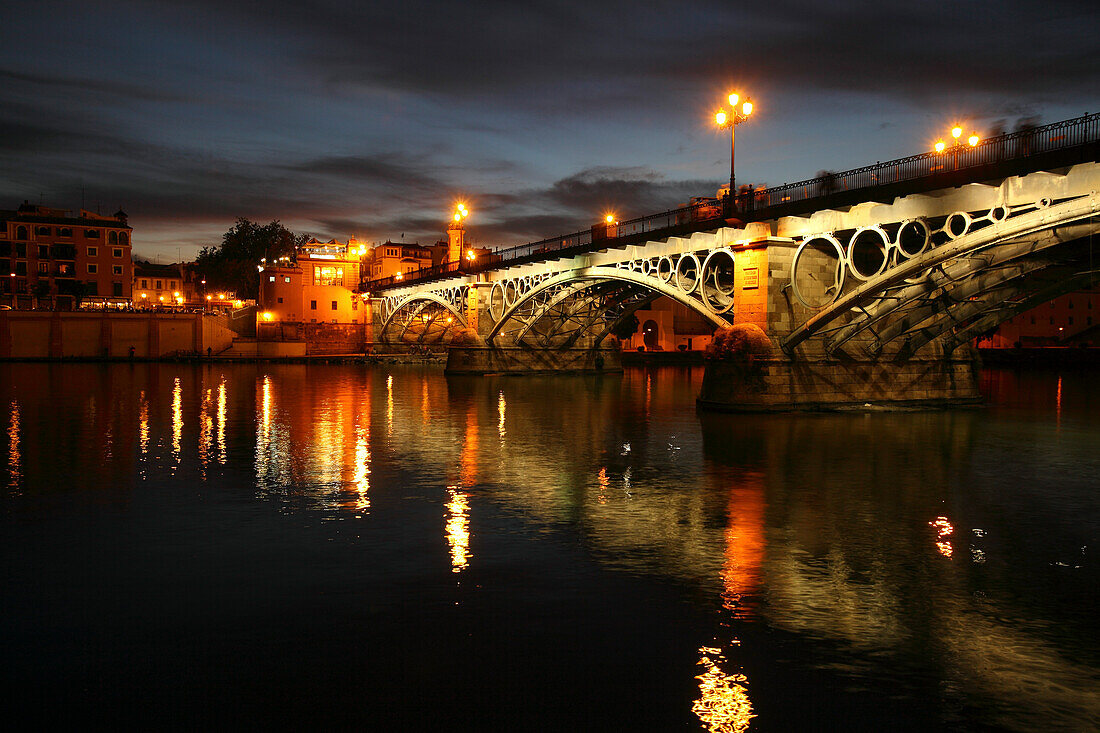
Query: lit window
[(271, 279), (286, 279), (328, 275), (43, 268)]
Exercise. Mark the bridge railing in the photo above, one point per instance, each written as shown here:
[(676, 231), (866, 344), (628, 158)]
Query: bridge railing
[(1018, 145)]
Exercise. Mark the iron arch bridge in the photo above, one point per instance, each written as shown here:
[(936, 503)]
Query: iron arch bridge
[(924, 273)]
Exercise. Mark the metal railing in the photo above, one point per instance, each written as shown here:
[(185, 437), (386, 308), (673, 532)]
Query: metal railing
[(1013, 146)]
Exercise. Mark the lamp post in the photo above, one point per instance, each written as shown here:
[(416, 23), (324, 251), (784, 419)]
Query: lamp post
[(740, 110), (956, 132)]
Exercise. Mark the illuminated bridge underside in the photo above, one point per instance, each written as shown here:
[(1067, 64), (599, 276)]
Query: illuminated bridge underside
[(423, 317), (558, 311), (992, 268)]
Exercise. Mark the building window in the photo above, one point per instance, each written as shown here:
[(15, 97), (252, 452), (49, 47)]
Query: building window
[(116, 289), (123, 238), (112, 238), (160, 285), (44, 231), (313, 305), (20, 232), (328, 275), (116, 269), (334, 305), (92, 268), (43, 251), (43, 268), (93, 251), (144, 284), (20, 268), (286, 279), (271, 278), (278, 300), (64, 232), (117, 252), (354, 304), (91, 233)]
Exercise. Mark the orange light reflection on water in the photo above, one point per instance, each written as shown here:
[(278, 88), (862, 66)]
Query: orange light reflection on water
[(15, 470), (177, 421), (723, 705), (458, 529)]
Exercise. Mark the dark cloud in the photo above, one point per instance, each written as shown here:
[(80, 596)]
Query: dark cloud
[(372, 118)]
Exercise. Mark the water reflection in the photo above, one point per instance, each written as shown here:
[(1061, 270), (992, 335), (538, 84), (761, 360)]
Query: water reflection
[(177, 421), (723, 705), (14, 457), (458, 528), (885, 548)]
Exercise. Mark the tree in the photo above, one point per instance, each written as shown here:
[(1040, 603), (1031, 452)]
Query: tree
[(232, 265), (626, 327)]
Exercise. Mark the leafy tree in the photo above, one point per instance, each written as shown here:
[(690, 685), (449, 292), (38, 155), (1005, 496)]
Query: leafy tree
[(626, 328), (232, 265)]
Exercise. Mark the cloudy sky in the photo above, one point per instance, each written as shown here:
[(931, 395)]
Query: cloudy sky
[(372, 118)]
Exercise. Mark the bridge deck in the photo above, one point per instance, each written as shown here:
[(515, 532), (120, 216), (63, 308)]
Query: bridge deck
[(1053, 146)]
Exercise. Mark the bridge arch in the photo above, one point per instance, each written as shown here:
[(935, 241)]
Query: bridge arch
[(542, 298), (989, 269), (404, 313)]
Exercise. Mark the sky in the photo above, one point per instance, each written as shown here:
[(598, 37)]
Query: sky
[(372, 119)]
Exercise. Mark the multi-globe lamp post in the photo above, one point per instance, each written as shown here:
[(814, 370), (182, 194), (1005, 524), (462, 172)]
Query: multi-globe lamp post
[(740, 110), (956, 132)]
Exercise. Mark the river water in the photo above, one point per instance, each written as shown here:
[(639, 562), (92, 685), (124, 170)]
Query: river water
[(344, 546)]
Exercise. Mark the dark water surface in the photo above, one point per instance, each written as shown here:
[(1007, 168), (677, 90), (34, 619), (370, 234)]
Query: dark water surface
[(384, 547)]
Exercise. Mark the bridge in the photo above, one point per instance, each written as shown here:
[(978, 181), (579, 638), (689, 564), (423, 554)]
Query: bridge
[(863, 286)]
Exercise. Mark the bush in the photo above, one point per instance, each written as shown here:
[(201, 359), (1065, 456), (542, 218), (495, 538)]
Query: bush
[(466, 337), (742, 343)]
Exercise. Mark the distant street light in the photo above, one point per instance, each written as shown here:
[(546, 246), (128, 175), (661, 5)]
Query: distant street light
[(736, 116)]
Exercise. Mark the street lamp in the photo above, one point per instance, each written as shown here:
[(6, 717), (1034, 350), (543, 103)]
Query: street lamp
[(740, 110), (956, 133)]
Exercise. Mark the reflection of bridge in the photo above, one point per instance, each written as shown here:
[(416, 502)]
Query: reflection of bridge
[(866, 282)]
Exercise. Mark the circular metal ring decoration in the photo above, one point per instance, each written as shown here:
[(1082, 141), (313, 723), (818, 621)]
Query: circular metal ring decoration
[(511, 292), (687, 273), (999, 213), (957, 225), (868, 253), (665, 269), (914, 236), (717, 282), (1043, 202), (497, 305), (817, 271)]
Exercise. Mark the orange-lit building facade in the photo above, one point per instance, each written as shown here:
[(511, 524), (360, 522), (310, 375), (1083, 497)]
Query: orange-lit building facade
[(166, 286), (1069, 320), (319, 286), (51, 259), (390, 258)]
